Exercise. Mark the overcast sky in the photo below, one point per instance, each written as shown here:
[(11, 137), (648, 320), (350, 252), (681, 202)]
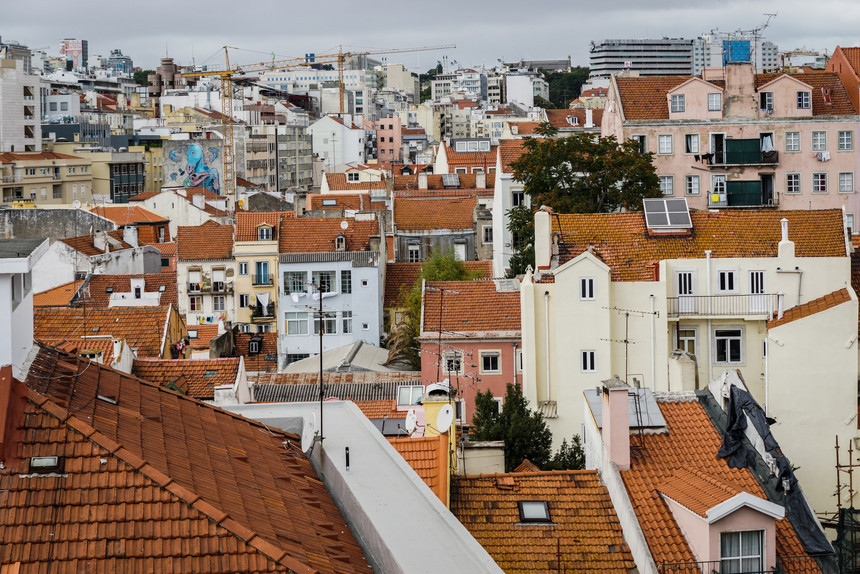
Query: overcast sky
[(482, 31)]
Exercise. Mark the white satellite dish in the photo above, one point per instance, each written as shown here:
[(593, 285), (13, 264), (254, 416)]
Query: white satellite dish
[(411, 421), (344, 224), (308, 432), (76, 204), (445, 418)]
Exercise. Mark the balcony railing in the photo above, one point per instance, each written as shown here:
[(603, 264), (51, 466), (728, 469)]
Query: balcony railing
[(261, 279), (721, 305), (753, 197), (195, 287), (824, 564), (263, 312)]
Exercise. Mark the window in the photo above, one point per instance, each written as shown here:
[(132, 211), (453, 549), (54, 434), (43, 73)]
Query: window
[(792, 183), (328, 325), (264, 233), (819, 141), (254, 347), (586, 288), (244, 300), (726, 280), (58, 192), (792, 141), (691, 143), (534, 511), (846, 140), (846, 182), (297, 323), (329, 202), (641, 140), (687, 340), (586, 361), (667, 184), (165, 262), (728, 342), (294, 282), (409, 395), (766, 100), (195, 304), (488, 233), (518, 197), (715, 102), (741, 551), (352, 176), (347, 322), (718, 183), (678, 104), (243, 268), (346, 281), (490, 362), (664, 144), (293, 357), (849, 222), (453, 363), (324, 280), (414, 253), (819, 183), (218, 303), (692, 185), (803, 100)]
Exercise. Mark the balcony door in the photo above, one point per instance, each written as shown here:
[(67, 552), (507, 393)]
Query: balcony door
[(758, 299), (685, 290)]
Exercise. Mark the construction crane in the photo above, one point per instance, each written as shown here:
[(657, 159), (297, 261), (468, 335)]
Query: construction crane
[(226, 76)]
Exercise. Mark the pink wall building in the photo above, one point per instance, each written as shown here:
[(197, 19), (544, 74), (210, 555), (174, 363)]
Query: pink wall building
[(389, 139)]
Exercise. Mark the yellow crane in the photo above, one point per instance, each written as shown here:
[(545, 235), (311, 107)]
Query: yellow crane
[(226, 77)]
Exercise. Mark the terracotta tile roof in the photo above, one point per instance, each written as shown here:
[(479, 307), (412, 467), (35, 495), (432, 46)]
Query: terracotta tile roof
[(208, 241), (852, 55), (216, 492), (141, 327), (584, 532), (594, 92), (425, 213), (166, 249), (468, 181), (470, 158), (144, 196), (267, 360), (527, 466), (214, 115), (451, 192), (855, 281), (248, 221), (817, 80), (208, 195), (317, 235), (558, 118), (58, 296), (205, 332), (426, 456), (342, 201), (510, 150), (196, 378), (691, 443), (380, 409), (245, 183), (622, 242), (475, 307), (403, 276), (84, 243), (338, 182), (413, 131), (353, 378), (341, 122), (810, 308), (98, 286), (524, 128), (644, 98), (123, 215), (695, 491), (11, 157), (82, 345)]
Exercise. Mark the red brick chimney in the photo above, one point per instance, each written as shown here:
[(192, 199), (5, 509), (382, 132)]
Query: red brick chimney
[(13, 402)]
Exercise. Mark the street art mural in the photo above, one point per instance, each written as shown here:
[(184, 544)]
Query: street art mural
[(193, 164)]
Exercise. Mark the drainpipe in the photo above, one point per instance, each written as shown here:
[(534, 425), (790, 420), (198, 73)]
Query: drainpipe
[(708, 273), (546, 314), (653, 336), (766, 379), (799, 272)]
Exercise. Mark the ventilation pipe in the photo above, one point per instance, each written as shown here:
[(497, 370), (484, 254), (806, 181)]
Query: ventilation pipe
[(546, 315)]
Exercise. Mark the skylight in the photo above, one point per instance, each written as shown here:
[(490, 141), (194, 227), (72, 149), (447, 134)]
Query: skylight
[(534, 511), (451, 180), (667, 214)]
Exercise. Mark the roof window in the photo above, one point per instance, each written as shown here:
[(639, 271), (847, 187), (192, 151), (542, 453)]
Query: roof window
[(534, 511)]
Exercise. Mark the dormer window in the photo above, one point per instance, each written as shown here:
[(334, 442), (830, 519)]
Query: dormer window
[(264, 233), (715, 102), (804, 100), (573, 120), (742, 551), (352, 176), (678, 104), (340, 243), (766, 101)]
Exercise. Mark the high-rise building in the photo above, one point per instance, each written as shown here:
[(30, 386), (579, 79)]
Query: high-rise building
[(76, 51), (20, 119), (648, 57), (120, 64), (715, 49)]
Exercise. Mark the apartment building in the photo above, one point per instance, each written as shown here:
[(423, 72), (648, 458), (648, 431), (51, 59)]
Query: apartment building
[(46, 178), (338, 141), (645, 57), (206, 273), (20, 122)]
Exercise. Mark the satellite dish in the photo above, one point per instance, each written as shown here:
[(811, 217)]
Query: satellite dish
[(308, 432), (76, 204), (445, 418), (344, 224), (411, 421)]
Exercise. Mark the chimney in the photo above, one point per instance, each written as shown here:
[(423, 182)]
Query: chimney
[(543, 238), (13, 402), (786, 246), (198, 200), (616, 422), (99, 240), (589, 118), (422, 180), (480, 180), (129, 235)]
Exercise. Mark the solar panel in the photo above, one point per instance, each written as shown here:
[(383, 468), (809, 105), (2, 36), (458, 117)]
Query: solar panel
[(667, 213), (451, 180)]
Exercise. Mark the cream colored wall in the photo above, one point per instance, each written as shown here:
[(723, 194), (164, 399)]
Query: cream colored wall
[(250, 252)]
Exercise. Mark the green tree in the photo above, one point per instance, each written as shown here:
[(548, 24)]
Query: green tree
[(425, 79), (564, 87), (580, 174), (570, 456), (542, 103), (140, 77)]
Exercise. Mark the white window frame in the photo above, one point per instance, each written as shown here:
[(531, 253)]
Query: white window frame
[(727, 281), (664, 144), (846, 182), (819, 182), (414, 253), (718, 183), (642, 140), (727, 338), (682, 341), (587, 361), (712, 98), (692, 185), (346, 322), (804, 100), (849, 223), (792, 142), (691, 144), (667, 184), (413, 394), (264, 233), (219, 303), (846, 140), (792, 182), (243, 268), (297, 319), (497, 353), (244, 300), (819, 140), (521, 358), (586, 289), (741, 561), (678, 103), (448, 357)]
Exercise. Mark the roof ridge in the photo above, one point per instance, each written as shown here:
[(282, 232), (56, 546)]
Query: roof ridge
[(165, 482), (582, 471)]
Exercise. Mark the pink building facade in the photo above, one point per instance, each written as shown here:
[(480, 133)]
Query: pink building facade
[(389, 139)]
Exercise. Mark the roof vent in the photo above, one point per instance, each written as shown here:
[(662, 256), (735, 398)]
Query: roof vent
[(210, 373), (108, 289)]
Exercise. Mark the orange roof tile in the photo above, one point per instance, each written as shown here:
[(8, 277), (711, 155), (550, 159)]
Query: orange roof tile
[(524, 128), (527, 466), (817, 80), (585, 532), (247, 223), (622, 242), (509, 151), (58, 296), (141, 327), (196, 378), (811, 307), (380, 409), (144, 196), (82, 345), (338, 182), (85, 243), (208, 194), (468, 181), (339, 201), (644, 98), (475, 307), (267, 359), (201, 335), (470, 158), (167, 249), (126, 214), (98, 297), (691, 443), (208, 241), (426, 456), (312, 235), (559, 118), (150, 456), (695, 491), (400, 277), (425, 213), (852, 55)]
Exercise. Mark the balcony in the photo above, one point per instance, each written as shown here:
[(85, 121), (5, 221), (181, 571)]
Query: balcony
[(722, 305), (219, 287), (195, 287), (753, 193), (744, 152), (261, 280), (825, 564), (12, 178), (263, 312)]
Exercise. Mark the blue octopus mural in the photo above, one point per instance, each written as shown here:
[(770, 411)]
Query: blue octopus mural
[(198, 170)]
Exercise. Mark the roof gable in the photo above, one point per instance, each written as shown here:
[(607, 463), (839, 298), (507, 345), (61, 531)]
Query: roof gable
[(317, 235), (783, 78), (695, 80), (470, 306)]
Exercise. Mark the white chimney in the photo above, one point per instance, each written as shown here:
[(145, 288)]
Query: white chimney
[(589, 118), (99, 241), (422, 180), (129, 235), (199, 200), (480, 180), (543, 238), (786, 246)]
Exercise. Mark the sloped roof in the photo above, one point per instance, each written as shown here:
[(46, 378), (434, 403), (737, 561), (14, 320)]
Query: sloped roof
[(468, 181), (98, 285), (205, 333), (692, 443), (313, 235), (585, 532), (470, 158), (695, 491), (855, 280), (621, 240), (248, 221), (267, 359), (141, 327), (811, 307), (403, 276), (341, 201), (852, 55), (379, 389), (817, 80), (426, 456), (425, 213), (558, 118), (524, 128), (167, 249), (126, 214), (197, 378), (233, 488), (380, 409), (208, 241), (143, 196), (338, 182), (470, 306), (58, 296), (509, 151), (85, 243)]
